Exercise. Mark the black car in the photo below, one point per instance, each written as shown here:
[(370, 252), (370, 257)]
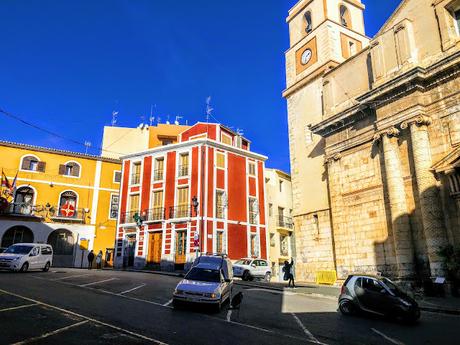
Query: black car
[(377, 295)]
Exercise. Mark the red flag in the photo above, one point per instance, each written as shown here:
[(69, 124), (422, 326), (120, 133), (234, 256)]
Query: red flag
[(5, 182)]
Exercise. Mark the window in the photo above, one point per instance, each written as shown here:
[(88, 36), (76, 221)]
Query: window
[(114, 199), (159, 169), (254, 246), (372, 285), (31, 163), (281, 186), (284, 245), (165, 142), (252, 168), (270, 210), (253, 210), (183, 165), (157, 210), (220, 242), (272, 240), (220, 160), (70, 169), (345, 18), (68, 204), (220, 204), (352, 48), (23, 200), (183, 206), (308, 22), (134, 204), (117, 176), (46, 251), (226, 139), (136, 173)]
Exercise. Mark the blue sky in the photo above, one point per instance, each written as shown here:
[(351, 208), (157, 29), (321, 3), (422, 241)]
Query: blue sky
[(65, 65)]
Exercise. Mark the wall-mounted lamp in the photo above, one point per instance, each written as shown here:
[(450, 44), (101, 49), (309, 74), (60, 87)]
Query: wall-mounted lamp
[(195, 204)]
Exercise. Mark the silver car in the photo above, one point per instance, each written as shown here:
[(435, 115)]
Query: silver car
[(209, 281)]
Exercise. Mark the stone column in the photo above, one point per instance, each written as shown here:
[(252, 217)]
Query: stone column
[(430, 202), (398, 206)]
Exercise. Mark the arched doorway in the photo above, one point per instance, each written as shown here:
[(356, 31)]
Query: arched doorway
[(17, 234), (63, 245)]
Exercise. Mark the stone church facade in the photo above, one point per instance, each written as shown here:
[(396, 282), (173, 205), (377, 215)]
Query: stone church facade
[(374, 132)]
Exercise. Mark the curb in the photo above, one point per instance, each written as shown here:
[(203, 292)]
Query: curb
[(171, 274), (440, 310)]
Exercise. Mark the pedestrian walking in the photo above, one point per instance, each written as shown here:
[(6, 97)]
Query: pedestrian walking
[(99, 260), (90, 259), (288, 274)]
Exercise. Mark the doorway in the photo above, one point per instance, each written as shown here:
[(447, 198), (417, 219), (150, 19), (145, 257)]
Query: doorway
[(130, 250), (181, 246), (155, 243)]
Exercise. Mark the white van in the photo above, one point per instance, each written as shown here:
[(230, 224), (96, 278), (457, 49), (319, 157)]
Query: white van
[(209, 281), (27, 256)]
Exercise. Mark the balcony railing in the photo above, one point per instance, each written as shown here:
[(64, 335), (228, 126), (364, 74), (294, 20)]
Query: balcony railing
[(181, 211), (19, 209), (154, 214), (64, 212), (135, 178), (128, 217), (285, 222), (182, 170), (158, 175)]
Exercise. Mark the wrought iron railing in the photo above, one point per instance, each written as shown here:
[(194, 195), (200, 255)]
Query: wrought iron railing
[(181, 211), (67, 212), (19, 209), (154, 214), (128, 217), (284, 222), (158, 175), (182, 170)]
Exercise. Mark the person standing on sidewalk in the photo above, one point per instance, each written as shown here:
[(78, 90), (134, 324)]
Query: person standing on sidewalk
[(90, 259), (288, 274), (99, 260)]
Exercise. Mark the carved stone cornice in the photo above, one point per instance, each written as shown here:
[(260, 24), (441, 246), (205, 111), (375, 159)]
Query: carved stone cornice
[(391, 132), (333, 158), (421, 120)]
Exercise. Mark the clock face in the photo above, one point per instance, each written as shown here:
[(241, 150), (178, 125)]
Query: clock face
[(306, 56)]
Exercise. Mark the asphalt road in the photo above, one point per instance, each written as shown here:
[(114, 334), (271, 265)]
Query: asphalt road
[(72, 306)]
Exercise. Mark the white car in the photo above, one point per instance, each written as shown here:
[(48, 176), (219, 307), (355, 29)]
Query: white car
[(27, 256), (209, 281), (248, 269)]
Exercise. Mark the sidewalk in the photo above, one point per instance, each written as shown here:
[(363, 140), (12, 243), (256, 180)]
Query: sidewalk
[(446, 305)]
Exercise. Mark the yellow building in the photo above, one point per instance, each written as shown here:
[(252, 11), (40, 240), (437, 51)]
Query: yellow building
[(66, 199)]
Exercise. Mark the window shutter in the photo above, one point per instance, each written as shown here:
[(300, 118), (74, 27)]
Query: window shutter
[(25, 163), (61, 169), (76, 170), (41, 166)]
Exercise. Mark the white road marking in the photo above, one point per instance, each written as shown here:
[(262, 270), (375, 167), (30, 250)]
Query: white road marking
[(18, 307), (130, 290), (46, 335), (168, 303), (391, 340), (68, 277), (98, 282), (229, 315), (87, 318), (306, 331)]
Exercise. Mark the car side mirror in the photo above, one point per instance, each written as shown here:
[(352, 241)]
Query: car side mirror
[(254, 266)]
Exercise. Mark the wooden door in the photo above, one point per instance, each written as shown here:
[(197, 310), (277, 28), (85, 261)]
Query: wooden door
[(181, 246), (155, 242)]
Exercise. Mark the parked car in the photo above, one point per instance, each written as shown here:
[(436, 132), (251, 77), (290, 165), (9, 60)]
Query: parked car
[(27, 256), (377, 295), (209, 281), (2, 249), (248, 269)]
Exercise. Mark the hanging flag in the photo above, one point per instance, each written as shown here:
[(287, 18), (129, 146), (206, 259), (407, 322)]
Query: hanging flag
[(5, 182), (13, 185)]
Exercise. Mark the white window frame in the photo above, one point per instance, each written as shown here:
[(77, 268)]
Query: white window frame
[(255, 167), (76, 201), (131, 173), (28, 155), (114, 174), (154, 168), (110, 206), (225, 159), (222, 134), (79, 173), (178, 161)]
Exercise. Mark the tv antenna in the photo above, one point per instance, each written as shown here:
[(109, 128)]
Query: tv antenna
[(209, 109), (152, 118), (177, 120), (87, 145), (114, 117)]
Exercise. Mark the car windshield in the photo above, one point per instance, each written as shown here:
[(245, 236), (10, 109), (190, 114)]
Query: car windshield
[(19, 249), (243, 262), (392, 286), (204, 275)]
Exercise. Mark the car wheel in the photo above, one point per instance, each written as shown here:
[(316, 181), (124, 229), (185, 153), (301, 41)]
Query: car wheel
[(176, 304), (246, 276), (47, 267), (24, 267), (267, 277), (347, 307)]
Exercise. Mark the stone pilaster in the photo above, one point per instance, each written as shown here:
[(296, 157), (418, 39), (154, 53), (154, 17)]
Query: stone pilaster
[(398, 206), (430, 202)]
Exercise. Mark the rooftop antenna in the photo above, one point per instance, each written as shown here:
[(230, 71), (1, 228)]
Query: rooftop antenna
[(209, 109), (114, 117), (167, 120), (152, 118), (88, 145), (158, 120), (239, 131), (177, 120)]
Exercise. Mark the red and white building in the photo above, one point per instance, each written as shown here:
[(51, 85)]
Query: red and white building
[(206, 193)]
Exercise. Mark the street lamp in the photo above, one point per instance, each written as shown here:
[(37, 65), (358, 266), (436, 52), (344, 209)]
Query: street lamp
[(195, 204)]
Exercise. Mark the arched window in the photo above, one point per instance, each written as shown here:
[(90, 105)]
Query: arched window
[(17, 234), (24, 200), (308, 22), (68, 204), (345, 18), (32, 163), (70, 169)]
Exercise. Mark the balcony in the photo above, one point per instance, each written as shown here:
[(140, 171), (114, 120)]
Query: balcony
[(128, 217), (181, 211), (65, 213), (182, 170), (135, 178), (21, 209), (158, 175), (284, 222), (154, 215)]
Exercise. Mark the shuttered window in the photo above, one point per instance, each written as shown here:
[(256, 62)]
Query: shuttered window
[(183, 164), (220, 196), (226, 139), (252, 168), (182, 196), (220, 160), (159, 167), (134, 203), (157, 199), (31, 163)]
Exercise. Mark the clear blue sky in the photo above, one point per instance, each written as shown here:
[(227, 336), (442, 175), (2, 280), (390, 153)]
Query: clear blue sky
[(65, 65)]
